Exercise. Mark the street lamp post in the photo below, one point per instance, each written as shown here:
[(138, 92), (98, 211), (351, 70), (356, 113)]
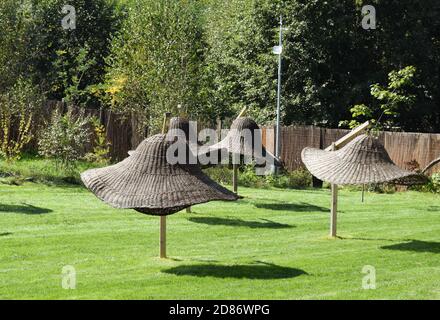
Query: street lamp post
[(278, 50)]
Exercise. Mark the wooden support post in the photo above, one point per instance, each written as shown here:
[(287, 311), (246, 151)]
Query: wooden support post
[(235, 177), (163, 219), (335, 146), (242, 112), (334, 206), (350, 136), (163, 237), (334, 211)]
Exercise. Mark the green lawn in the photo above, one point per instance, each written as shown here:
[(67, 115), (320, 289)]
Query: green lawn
[(270, 245)]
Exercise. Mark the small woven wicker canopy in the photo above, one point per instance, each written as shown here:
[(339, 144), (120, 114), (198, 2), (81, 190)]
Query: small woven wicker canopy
[(179, 125), (238, 142), (146, 182), (364, 160), (180, 129)]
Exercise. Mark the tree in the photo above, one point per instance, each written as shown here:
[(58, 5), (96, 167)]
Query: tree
[(156, 61), (15, 31), (70, 63), (391, 101), (331, 62), (33, 44), (240, 67)]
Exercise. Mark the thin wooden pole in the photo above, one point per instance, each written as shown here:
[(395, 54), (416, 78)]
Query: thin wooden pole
[(363, 192), (163, 237), (334, 206), (163, 219), (350, 136), (235, 166), (242, 112), (334, 211), (235, 177)]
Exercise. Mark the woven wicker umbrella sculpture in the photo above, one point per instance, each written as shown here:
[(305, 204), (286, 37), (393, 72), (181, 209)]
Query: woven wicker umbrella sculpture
[(237, 142), (364, 160), (147, 183)]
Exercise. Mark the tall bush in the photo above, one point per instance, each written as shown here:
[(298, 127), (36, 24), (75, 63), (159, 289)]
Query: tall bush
[(65, 137), (17, 109)]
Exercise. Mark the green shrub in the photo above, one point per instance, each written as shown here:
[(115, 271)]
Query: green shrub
[(381, 188), (101, 149), (65, 137), (247, 177), (435, 180), (220, 174), (433, 185), (300, 179)]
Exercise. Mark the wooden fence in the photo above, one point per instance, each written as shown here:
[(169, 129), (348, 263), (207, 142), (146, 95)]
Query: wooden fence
[(407, 150)]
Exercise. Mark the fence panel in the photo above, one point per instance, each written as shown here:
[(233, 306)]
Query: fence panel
[(407, 150)]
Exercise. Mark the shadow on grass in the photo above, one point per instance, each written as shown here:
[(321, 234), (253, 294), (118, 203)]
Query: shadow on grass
[(264, 271), (301, 207), (415, 245), (23, 208), (365, 239), (240, 223), (5, 234)]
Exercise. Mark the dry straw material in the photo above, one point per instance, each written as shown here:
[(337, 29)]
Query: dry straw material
[(148, 183), (364, 160)]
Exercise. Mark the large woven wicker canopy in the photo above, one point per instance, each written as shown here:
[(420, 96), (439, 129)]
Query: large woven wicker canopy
[(146, 182), (364, 160), (244, 138)]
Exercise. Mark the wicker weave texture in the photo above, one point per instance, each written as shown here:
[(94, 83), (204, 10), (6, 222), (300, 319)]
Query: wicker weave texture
[(244, 138), (362, 161), (145, 181)]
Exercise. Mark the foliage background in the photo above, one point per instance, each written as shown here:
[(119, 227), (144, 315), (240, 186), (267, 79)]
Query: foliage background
[(213, 57)]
